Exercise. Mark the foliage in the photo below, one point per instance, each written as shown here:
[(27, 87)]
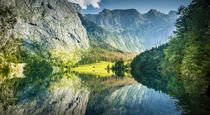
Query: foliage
[(38, 68), (149, 60), (147, 67), (188, 52), (119, 68), (65, 59), (4, 69), (95, 55), (7, 22), (181, 67), (8, 43)]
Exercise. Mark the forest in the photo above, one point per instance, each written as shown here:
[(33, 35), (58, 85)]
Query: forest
[(181, 66), (188, 51)]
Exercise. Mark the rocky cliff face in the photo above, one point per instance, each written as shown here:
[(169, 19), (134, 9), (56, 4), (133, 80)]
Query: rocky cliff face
[(131, 31), (46, 26)]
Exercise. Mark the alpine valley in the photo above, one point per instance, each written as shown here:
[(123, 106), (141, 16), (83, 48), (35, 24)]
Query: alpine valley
[(57, 60)]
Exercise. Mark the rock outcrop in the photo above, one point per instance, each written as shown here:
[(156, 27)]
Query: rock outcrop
[(45, 26)]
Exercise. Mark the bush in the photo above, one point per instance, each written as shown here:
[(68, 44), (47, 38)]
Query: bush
[(4, 69), (38, 68)]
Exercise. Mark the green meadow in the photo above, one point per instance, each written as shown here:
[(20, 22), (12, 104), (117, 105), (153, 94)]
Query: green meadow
[(97, 69)]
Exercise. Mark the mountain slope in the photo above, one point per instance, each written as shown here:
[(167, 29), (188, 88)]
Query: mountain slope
[(45, 27), (134, 32), (96, 34)]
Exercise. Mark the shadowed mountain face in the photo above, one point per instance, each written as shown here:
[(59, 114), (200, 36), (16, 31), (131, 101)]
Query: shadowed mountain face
[(129, 30)]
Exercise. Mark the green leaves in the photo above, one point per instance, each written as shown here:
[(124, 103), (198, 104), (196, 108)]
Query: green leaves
[(188, 51)]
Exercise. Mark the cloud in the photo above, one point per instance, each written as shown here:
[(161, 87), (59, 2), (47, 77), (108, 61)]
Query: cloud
[(85, 3)]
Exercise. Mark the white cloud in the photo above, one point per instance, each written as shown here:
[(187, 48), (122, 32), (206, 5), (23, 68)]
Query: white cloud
[(85, 3)]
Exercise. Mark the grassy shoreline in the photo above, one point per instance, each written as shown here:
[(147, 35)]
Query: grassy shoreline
[(98, 69)]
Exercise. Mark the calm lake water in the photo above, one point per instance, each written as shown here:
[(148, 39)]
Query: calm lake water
[(69, 93)]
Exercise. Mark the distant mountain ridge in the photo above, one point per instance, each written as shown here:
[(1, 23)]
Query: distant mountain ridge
[(130, 31)]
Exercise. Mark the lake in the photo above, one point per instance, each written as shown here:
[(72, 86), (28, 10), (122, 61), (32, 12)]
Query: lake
[(72, 93)]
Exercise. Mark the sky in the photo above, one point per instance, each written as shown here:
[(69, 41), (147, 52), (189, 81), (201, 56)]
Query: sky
[(143, 6)]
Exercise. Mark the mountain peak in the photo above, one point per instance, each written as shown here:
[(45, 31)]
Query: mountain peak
[(119, 10), (129, 27), (128, 10), (153, 11)]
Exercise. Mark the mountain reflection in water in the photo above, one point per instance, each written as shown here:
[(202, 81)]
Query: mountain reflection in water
[(77, 94), (124, 96)]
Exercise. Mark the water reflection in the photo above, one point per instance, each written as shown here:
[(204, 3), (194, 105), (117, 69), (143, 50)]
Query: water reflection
[(137, 100), (55, 95), (43, 92), (190, 92), (124, 96)]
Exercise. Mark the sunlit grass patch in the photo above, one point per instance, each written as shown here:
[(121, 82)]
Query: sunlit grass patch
[(98, 69)]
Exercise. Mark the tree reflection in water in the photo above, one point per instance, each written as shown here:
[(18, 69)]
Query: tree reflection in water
[(191, 92)]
